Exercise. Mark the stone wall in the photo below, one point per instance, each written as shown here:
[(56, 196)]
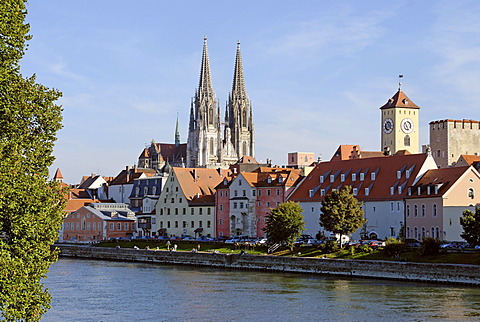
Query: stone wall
[(438, 273)]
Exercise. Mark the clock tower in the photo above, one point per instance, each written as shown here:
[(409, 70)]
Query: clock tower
[(400, 124)]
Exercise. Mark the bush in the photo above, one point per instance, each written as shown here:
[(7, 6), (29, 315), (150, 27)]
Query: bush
[(366, 249), (430, 246), (393, 247), (330, 246)]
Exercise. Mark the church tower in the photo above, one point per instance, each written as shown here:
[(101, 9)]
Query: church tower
[(239, 116), (204, 134), (400, 127)]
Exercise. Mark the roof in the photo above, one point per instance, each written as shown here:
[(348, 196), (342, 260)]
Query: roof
[(91, 182), (347, 152), (381, 176), (197, 182), (442, 178), (469, 159), (166, 151), (112, 211), (267, 177), (58, 175), (399, 100), (128, 175)]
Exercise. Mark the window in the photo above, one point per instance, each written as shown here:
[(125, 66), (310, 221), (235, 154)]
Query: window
[(235, 193), (392, 190), (125, 226), (398, 205), (221, 193), (415, 211), (192, 224), (332, 178), (200, 224), (226, 193), (268, 192), (408, 210), (176, 211), (253, 193), (161, 211), (240, 182), (168, 224), (372, 175), (391, 206), (407, 174), (355, 191), (176, 224), (321, 179), (471, 193), (180, 200), (322, 192), (367, 191), (278, 192), (362, 176), (423, 232), (168, 211), (342, 177), (173, 200), (399, 174), (241, 205), (234, 205), (399, 190), (259, 193), (192, 211), (200, 211), (220, 221), (310, 193), (408, 232), (184, 224), (119, 226), (406, 140), (354, 176), (209, 224), (184, 211), (437, 233), (221, 207), (434, 210), (88, 226), (268, 203), (244, 193), (209, 211), (111, 226), (415, 232)]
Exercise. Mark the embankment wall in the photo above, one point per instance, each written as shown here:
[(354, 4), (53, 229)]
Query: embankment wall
[(438, 273)]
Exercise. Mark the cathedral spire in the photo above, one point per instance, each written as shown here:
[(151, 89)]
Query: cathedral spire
[(205, 84), (238, 87), (177, 134)]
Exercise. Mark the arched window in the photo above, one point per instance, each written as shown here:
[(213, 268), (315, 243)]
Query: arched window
[(210, 116), (423, 232), (244, 118), (423, 210), (434, 213), (437, 233), (415, 211), (245, 152), (432, 232), (408, 232), (406, 140), (471, 193), (408, 210), (416, 232)]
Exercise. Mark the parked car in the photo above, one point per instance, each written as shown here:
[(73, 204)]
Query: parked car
[(412, 242), (376, 243), (204, 238), (189, 238)]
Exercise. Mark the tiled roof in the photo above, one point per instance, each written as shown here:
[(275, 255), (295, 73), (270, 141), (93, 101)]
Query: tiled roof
[(399, 100), (167, 151), (385, 178), (437, 182), (129, 174), (285, 177), (247, 159), (348, 152), (58, 175), (470, 159), (196, 182)]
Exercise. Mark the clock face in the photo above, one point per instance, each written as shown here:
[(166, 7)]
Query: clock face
[(388, 126), (407, 125)]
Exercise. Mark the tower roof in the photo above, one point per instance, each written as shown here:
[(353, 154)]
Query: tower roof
[(58, 176), (205, 84), (177, 134), (238, 86), (399, 100)]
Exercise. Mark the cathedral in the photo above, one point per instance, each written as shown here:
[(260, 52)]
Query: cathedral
[(212, 142)]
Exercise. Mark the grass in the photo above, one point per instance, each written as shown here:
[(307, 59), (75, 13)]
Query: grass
[(310, 251)]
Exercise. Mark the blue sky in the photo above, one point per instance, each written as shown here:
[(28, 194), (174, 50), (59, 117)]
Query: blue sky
[(316, 71)]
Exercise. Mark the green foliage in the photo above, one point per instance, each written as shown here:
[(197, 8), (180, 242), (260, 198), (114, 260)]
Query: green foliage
[(341, 212), (471, 226), (329, 247), (31, 207), (430, 246), (285, 224), (393, 247), (366, 249)]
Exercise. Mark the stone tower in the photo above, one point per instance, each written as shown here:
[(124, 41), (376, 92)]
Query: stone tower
[(239, 112), (211, 143), (400, 126)]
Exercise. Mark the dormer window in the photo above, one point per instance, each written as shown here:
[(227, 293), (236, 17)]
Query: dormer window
[(407, 174), (399, 174), (419, 190), (280, 179), (322, 192), (310, 193), (321, 179), (354, 176), (269, 180), (362, 176), (392, 190), (372, 175), (399, 190), (428, 190), (367, 191), (332, 178), (355, 191), (405, 101), (342, 177)]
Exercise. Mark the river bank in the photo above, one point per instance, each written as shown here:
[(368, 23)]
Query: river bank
[(434, 273)]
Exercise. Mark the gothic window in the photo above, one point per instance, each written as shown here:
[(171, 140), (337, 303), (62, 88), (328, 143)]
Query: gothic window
[(406, 140), (244, 118), (210, 116), (245, 148)]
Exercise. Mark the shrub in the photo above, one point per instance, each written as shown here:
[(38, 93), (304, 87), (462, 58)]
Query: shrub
[(430, 246), (393, 247), (366, 249), (330, 246)]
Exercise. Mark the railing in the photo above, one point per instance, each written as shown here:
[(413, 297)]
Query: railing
[(273, 248)]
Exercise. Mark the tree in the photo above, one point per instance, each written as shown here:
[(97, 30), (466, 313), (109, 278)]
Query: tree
[(285, 224), (341, 212), (471, 226), (31, 206)]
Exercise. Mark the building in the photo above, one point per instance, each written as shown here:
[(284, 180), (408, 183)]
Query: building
[(435, 203), (158, 156), (400, 125), (451, 138), (96, 186), (300, 159), (186, 205), (350, 152), (121, 186), (143, 199), (380, 183), (99, 221), (243, 201), (214, 141)]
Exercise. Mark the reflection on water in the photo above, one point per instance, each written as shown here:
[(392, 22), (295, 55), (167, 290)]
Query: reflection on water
[(86, 290)]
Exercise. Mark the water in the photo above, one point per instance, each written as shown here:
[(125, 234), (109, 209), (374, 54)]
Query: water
[(88, 290)]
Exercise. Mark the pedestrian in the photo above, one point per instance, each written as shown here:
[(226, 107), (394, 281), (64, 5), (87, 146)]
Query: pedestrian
[(168, 245), (198, 247), (174, 247)]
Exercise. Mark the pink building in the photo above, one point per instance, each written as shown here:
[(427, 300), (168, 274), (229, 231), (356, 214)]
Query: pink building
[(244, 200), (300, 159)]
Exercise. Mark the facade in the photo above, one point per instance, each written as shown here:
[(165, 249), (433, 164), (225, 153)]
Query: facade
[(96, 186), (451, 138), (300, 159), (186, 205), (99, 221), (435, 204), (400, 125), (350, 152), (380, 183), (144, 196), (212, 141), (244, 200)]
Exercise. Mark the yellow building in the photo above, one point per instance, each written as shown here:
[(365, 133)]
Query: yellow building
[(400, 125)]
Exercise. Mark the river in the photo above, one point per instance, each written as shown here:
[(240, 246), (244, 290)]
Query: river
[(93, 290)]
